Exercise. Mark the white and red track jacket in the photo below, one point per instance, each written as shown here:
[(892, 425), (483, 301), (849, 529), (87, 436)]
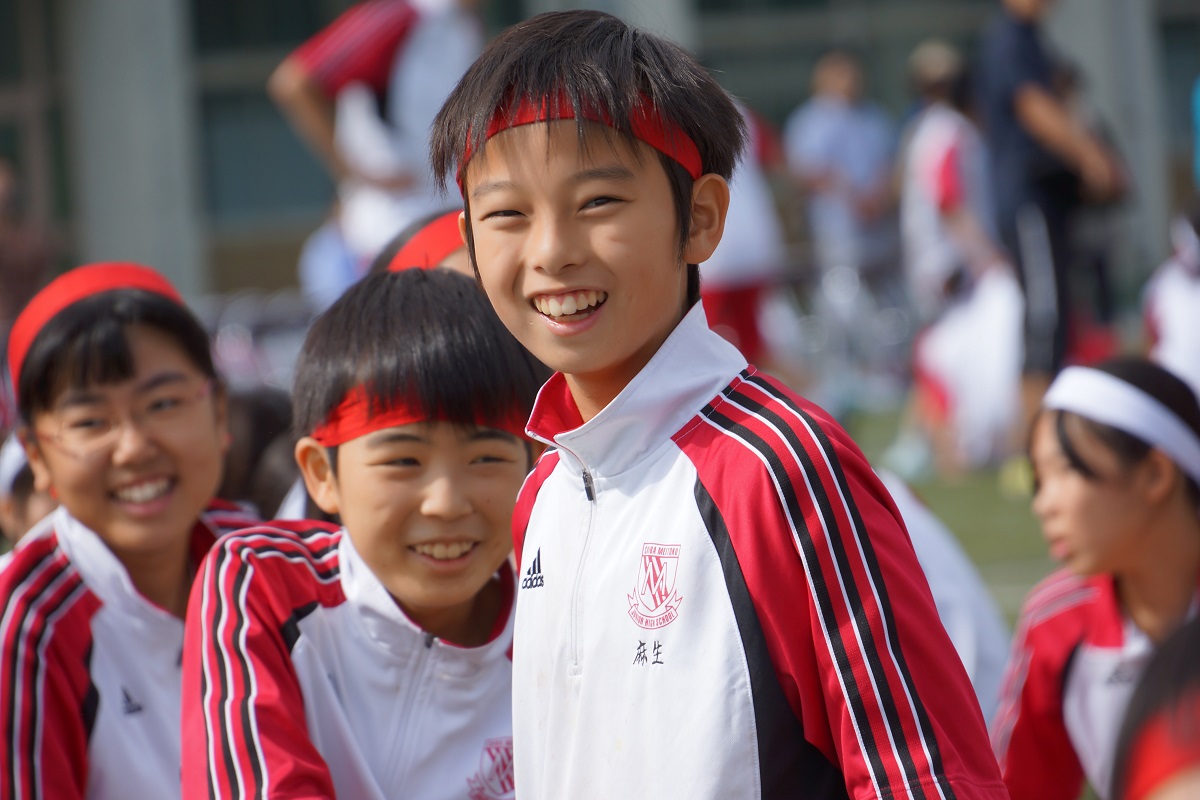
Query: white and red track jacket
[(1076, 660), (89, 668), (304, 679), (718, 599)]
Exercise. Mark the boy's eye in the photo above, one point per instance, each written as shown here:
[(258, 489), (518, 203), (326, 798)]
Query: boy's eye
[(597, 202), (502, 213), (492, 458), (404, 461)]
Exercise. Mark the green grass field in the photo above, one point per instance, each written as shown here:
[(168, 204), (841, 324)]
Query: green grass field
[(998, 532)]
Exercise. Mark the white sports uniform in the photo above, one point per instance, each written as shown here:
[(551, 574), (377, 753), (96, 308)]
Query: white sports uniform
[(1075, 663), (90, 669), (1171, 306), (968, 612), (718, 600), (303, 678)]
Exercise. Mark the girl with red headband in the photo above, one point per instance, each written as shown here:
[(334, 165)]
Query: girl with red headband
[(373, 661), (1116, 460), (123, 420)]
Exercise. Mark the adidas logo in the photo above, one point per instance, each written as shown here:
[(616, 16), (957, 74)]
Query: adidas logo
[(129, 705), (533, 576)]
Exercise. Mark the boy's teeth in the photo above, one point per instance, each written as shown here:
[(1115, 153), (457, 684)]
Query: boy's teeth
[(143, 492), (444, 551), (568, 304)]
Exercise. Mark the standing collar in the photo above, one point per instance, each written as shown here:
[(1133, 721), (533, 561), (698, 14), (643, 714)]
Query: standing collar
[(387, 624), (104, 573), (687, 371)]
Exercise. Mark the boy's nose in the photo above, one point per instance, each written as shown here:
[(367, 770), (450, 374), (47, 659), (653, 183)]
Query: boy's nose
[(445, 499), (552, 246)]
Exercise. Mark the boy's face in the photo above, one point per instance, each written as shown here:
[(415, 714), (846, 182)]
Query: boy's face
[(136, 461), (428, 506), (577, 250)]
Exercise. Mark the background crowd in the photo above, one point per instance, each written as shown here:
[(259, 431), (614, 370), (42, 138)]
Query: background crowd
[(924, 276)]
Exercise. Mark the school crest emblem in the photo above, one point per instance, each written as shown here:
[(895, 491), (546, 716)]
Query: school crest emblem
[(655, 601), (494, 780)]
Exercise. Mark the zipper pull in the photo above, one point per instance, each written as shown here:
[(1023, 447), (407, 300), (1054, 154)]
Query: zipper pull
[(429, 637), (588, 488)]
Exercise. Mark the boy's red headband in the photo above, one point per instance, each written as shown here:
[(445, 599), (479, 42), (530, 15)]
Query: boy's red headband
[(645, 122), (353, 418), (67, 290), (429, 247)]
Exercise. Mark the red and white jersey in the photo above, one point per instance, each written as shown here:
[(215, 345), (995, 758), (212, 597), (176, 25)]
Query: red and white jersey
[(945, 170), (303, 679), (1171, 305), (1076, 660), (718, 599), (90, 673)]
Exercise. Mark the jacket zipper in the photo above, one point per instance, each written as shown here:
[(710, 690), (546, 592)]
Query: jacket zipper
[(415, 678), (589, 489)]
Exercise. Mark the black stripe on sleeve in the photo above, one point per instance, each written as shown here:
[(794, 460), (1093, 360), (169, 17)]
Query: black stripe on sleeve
[(789, 766), (794, 510), (871, 561)]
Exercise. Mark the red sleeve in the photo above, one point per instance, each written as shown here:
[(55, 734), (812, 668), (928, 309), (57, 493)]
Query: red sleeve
[(524, 507), (360, 45), (947, 188), (849, 622), (1029, 735), (243, 707), (47, 702)]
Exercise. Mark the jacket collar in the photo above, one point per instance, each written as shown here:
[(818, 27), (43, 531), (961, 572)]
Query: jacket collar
[(690, 368)]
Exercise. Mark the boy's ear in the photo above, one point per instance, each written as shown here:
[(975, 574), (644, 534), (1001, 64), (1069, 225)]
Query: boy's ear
[(319, 478), (42, 481), (710, 202)]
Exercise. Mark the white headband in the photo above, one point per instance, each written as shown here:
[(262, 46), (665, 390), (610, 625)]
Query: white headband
[(1113, 402)]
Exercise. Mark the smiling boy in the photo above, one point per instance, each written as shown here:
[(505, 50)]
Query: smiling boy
[(371, 661), (717, 597)]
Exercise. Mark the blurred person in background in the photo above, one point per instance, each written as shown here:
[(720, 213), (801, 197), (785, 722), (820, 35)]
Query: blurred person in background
[(21, 503), (839, 145), (752, 255), (839, 148), (1041, 156), (966, 359), (26, 259), (362, 94), (1171, 302), (1116, 461), (967, 610)]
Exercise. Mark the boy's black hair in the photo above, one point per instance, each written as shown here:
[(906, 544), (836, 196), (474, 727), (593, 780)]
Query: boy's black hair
[(86, 343), (596, 61), (425, 338), (1159, 383)]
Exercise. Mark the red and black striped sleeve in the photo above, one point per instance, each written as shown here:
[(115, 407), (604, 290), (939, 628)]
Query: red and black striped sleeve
[(833, 607), (47, 700), (1029, 733), (243, 707)]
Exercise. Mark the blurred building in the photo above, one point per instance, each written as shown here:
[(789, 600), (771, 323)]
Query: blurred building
[(142, 131)]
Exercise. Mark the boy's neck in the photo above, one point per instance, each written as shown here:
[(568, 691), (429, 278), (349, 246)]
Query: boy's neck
[(468, 625), (592, 392)]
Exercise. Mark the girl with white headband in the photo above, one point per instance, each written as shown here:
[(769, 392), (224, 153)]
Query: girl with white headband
[(1116, 460)]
